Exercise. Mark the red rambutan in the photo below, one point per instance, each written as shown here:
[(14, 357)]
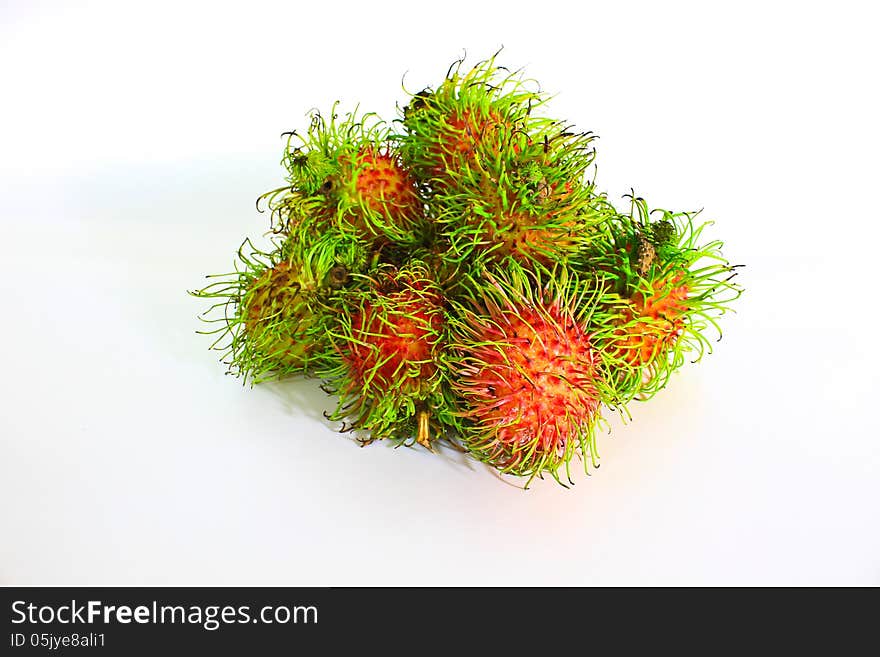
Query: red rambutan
[(652, 323), (379, 195), (389, 340), (524, 370)]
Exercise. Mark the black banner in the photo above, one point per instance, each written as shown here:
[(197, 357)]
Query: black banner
[(258, 621)]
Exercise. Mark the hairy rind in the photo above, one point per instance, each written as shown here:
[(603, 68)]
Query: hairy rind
[(323, 167), (493, 299), (491, 227), (299, 307), (500, 180), (681, 263), (373, 311), (320, 253), (468, 105)]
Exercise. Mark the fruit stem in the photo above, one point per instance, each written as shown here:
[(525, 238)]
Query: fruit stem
[(424, 437)]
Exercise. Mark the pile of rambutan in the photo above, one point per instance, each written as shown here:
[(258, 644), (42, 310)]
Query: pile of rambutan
[(456, 276)]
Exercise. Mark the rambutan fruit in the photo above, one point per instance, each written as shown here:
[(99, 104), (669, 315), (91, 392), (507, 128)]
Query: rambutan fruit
[(351, 177), (387, 343), (277, 318), (471, 116), (501, 181), (378, 196), (522, 365), (532, 204), (274, 306), (662, 293), (459, 139)]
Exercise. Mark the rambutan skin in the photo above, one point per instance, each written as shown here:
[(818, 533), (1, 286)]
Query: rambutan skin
[(653, 322), (346, 174), (456, 138), (272, 313), (523, 368), (501, 181), (470, 118), (276, 317), (387, 368), (662, 289), (270, 321), (497, 224), (394, 338), (378, 197)]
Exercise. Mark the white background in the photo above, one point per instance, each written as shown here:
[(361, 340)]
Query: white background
[(134, 139)]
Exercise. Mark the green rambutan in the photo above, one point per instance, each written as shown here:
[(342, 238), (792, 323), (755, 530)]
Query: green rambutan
[(266, 318), (277, 318), (274, 307), (523, 367)]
